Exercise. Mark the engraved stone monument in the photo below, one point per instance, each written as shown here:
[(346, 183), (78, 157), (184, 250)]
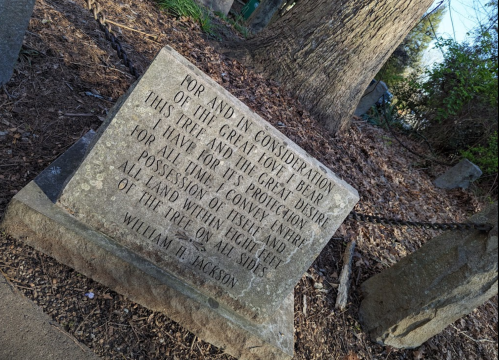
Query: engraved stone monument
[(191, 204)]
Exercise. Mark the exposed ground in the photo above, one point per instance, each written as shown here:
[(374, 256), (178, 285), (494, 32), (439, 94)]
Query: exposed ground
[(67, 80)]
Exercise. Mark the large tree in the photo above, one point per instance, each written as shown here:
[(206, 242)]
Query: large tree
[(327, 52)]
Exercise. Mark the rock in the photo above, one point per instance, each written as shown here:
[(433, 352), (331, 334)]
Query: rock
[(371, 97), (460, 175), (188, 202), (14, 19), (428, 290), (222, 6)]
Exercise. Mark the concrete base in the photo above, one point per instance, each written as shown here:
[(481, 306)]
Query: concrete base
[(33, 218)]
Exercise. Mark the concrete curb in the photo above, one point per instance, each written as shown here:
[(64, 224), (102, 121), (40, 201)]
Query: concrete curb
[(27, 333)]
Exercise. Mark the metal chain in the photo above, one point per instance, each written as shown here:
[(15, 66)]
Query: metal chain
[(435, 226), (106, 27)]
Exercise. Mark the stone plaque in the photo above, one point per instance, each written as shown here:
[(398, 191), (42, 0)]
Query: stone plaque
[(190, 179)]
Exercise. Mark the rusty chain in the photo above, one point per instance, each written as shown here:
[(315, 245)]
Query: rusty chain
[(99, 15), (426, 225)]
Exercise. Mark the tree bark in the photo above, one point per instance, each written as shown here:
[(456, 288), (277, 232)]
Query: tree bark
[(327, 52)]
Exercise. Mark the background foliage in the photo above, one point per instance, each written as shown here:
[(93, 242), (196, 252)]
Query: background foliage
[(409, 53), (454, 104)]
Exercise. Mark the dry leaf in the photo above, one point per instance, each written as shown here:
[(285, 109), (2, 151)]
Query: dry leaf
[(351, 356)]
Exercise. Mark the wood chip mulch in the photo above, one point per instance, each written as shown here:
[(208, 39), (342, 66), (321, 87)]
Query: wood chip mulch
[(67, 80)]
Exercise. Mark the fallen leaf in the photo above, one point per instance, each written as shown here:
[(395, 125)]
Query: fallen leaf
[(351, 356)]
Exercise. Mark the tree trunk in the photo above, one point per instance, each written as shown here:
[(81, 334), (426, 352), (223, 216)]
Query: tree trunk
[(327, 52), (263, 14)]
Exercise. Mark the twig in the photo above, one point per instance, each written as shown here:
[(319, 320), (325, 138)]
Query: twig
[(84, 320), (104, 66), (342, 298), (175, 340), (79, 115), (410, 150), (71, 337), (148, 36), (134, 331), (200, 351), (192, 344), (7, 93), (493, 185), (469, 337), (8, 279)]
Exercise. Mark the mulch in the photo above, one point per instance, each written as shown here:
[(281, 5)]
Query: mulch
[(67, 80)]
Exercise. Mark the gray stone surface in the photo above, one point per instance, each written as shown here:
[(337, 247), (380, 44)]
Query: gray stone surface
[(192, 180), (189, 203), (461, 175), (27, 333), (222, 6), (53, 179), (428, 290), (33, 218), (14, 20), (370, 97)]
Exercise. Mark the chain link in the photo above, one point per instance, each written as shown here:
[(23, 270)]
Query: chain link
[(435, 226), (95, 7), (99, 15)]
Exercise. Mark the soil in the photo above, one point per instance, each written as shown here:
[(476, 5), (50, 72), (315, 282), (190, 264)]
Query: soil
[(67, 79)]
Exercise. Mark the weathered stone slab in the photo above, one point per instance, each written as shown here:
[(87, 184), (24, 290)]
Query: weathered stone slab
[(33, 218), (370, 97), (428, 290), (222, 6), (461, 175), (190, 179), (190, 204), (14, 20)]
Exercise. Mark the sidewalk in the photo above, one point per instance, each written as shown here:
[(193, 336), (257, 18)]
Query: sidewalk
[(26, 333)]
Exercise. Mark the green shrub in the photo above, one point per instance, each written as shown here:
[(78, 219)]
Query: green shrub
[(454, 104), (484, 156)]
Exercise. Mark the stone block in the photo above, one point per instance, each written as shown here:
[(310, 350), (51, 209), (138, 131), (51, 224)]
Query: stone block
[(428, 290), (222, 6), (34, 219), (371, 97), (192, 180), (191, 204), (14, 20), (461, 175)]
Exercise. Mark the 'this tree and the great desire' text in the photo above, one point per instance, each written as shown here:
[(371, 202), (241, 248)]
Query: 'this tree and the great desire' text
[(225, 192)]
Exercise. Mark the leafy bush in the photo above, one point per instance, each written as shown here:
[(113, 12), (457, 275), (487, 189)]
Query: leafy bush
[(467, 74), (455, 102), (485, 157)]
